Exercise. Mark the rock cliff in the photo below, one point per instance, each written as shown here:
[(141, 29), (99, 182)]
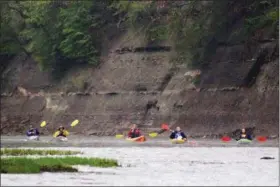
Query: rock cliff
[(138, 84)]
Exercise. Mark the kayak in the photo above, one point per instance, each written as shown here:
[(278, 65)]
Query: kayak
[(178, 141), (138, 139), (33, 138), (244, 141), (62, 139)]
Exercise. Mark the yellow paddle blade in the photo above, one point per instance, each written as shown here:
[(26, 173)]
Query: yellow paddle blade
[(56, 134), (44, 123), (66, 133), (119, 136), (74, 123), (153, 134)]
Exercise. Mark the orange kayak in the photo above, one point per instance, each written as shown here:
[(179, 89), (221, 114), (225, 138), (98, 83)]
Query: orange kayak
[(138, 139)]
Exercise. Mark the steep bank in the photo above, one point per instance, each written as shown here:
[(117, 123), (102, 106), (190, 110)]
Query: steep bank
[(120, 90), (138, 83)]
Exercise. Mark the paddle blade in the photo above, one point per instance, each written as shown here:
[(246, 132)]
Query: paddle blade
[(165, 126), (119, 136), (225, 138), (66, 133), (261, 138), (153, 134), (44, 123), (74, 123), (56, 134)]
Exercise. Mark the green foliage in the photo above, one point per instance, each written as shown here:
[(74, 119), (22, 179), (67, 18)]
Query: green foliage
[(157, 33), (198, 28), (142, 16), (41, 32), (77, 42), (264, 13), (58, 35), (62, 34), (18, 152), (130, 11), (9, 44), (50, 164)]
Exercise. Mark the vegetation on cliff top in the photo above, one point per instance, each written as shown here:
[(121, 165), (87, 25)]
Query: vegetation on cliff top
[(62, 34)]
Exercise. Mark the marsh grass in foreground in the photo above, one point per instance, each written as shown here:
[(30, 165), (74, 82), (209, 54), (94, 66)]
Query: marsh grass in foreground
[(18, 152), (49, 164)]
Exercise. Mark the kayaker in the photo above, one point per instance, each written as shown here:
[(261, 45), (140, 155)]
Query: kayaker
[(178, 134), (134, 132), (244, 135), (32, 132), (61, 132)]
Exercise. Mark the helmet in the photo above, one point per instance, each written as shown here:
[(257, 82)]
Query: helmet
[(61, 127)]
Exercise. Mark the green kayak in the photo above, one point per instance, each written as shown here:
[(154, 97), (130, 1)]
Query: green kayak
[(244, 141)]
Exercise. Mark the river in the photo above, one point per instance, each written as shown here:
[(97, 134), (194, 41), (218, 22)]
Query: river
[(158, 162)]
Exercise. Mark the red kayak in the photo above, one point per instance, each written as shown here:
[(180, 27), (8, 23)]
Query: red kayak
[(138, 139)]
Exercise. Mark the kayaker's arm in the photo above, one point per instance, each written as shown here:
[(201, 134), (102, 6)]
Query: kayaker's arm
[(139, 133), (129, 134), (37, 132), (183, 135), (28, 133), (172, 135)]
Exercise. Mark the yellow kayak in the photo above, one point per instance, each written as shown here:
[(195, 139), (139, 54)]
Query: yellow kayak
[(138, 139), (175, 141)]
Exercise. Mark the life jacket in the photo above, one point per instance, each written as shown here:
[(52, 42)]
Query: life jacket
[(63, 133), (178, 134), (134, 133), (32, 132), (245, 136)]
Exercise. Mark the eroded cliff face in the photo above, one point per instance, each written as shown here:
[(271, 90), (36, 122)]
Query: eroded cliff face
[(239, 88)]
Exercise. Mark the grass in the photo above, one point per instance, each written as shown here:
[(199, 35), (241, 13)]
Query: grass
[(18, 152), (51, 164)]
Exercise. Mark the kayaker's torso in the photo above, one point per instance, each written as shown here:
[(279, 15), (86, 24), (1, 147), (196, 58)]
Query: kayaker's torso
[(245, 136), (32, 132), (178, 135), (62, 133), (134, 133)]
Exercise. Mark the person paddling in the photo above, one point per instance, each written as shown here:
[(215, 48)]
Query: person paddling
[(178, 134), (33, 133), (134, 132), (244, 135), (61, 132)]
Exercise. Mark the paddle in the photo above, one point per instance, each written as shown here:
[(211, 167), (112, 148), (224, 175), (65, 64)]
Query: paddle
[(44, 123), (164, 127), (73, 124), (119, 136)]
